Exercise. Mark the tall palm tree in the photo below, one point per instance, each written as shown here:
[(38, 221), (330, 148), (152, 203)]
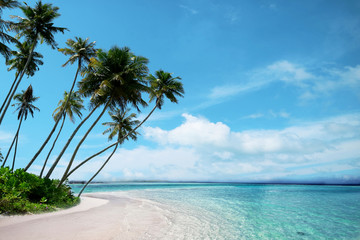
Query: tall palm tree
[(121, 126), (1, 156), (116, 79), (161, 85), (4, 26), (18, 62), (70, 105), (24, 106), (81, 51), (37, 25)]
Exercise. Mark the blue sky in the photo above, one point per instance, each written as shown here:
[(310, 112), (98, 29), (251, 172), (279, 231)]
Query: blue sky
[(272, 90)]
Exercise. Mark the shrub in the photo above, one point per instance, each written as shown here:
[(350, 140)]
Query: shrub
[(22, 192)]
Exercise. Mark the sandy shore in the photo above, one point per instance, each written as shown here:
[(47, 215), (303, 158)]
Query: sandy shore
[(98, 216)]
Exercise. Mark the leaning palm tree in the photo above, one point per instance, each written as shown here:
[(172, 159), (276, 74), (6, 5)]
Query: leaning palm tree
[(37, 25), (121, 126), (1, 156), (161, 85), (24, 106), (4, 26), (81, 51), (18, 62), (70, 105), (116, 79)]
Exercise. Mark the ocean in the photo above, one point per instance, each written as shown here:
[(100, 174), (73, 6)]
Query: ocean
[(249, 211)]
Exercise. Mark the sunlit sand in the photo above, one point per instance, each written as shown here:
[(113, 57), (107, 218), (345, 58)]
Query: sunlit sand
[(98, 216)]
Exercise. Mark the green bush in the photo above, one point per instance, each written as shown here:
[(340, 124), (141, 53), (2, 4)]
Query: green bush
[(22, 192)]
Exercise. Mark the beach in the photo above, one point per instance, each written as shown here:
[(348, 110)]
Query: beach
[(197, 211), (98, 216)]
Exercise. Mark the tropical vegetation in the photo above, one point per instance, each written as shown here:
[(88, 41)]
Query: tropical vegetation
[(116, 81)]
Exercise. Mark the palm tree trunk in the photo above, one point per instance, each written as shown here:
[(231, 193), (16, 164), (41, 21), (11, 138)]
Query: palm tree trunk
[(68, 142), (7, 96), (79, 144), (52, 147), (16, 143), (7, 155), (98, 153), (57, 121), (89, 158), (17, 84), (15, 139), (107, 160)]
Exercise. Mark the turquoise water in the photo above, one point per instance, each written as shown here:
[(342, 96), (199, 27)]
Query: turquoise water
[(251, 211)]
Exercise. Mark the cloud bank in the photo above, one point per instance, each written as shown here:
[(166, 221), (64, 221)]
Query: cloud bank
[(201, 150)]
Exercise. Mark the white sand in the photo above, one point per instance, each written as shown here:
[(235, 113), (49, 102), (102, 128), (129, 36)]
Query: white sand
[(99, 216)]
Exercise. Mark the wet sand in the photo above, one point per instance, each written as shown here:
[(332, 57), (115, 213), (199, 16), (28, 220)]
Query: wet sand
[(98, 216)]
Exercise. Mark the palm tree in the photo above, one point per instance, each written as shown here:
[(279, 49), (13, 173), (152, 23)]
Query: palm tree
[(161, 86), (37, 25), (1, 156), (24, 106), (121, 126), (70, 105), (116, 79), (81, 51), (18, 62), (4, 25)]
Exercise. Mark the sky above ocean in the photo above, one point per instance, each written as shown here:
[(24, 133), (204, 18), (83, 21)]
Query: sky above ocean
[(271, 90)]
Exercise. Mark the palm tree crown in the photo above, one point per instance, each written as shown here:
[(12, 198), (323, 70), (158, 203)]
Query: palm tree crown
[(4, 25), (163, 84), (38, 23), (117, 77), (121, 125), (25, 103), (8, 4), (80, 50), (74, 105), (20, 57)]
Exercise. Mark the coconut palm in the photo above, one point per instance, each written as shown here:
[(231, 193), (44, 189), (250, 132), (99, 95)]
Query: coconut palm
[(161, 85), (81, 51), (1, 156), (116, 79), (18, 62), (70, 105), (121, 126), (37, 25), (4, 25), (24, 106)]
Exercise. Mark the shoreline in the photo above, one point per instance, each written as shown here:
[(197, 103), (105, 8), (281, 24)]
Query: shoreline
[(105, 215)]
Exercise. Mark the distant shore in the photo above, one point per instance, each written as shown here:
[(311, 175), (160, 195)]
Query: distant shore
[(98, 216)]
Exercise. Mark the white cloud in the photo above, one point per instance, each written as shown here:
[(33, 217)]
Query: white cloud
[(269, 114), (254, 116), (288, 72), (188, 133), (279, 71), (189, 9), (311, 85), (266, 154), (202, 150)]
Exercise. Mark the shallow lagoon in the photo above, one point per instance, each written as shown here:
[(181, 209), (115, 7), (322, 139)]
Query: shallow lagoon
[(250, 211)]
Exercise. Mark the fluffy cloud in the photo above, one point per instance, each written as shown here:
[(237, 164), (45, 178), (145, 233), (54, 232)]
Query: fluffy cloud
[(310, 148), (309, 137), (202, 150)]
